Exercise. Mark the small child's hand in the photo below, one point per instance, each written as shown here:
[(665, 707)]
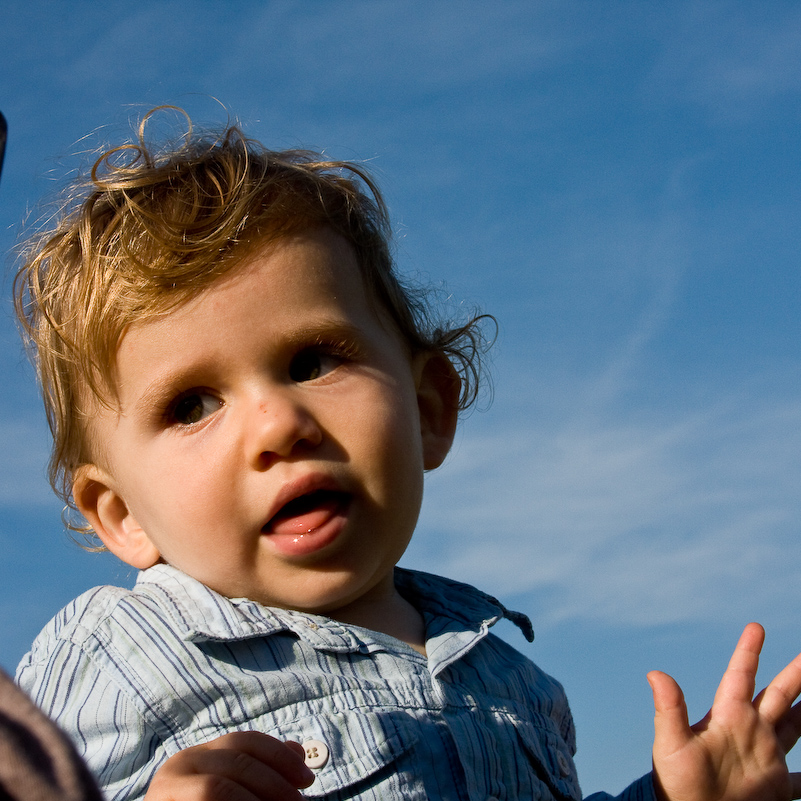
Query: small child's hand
[(241, 766), (737, 752)]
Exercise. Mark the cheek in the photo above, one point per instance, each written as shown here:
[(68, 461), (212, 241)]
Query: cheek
[(387, 411), (392, 441), (165, 496)]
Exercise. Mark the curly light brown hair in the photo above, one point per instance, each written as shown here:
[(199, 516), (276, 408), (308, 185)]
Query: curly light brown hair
[(151, 227)]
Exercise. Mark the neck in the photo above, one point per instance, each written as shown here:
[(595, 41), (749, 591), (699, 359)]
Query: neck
[(390, 613)]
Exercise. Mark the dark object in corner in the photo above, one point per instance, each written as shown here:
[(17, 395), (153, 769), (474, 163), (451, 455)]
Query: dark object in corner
[(37, 761), (3, 135)]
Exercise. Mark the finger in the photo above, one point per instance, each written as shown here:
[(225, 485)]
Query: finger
[(297, 748), (241, 766), (228, 768), (671, 724), (286, 758), (206, 787), (778, 697), (739, 680), (252, 761)]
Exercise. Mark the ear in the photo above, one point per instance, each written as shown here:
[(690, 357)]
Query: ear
[(438, 389), (107, 513)]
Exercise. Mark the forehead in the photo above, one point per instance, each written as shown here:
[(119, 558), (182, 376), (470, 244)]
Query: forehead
[(309, 280)]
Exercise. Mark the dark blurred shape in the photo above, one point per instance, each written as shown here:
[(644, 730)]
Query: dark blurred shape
[(37, 761), (3, 134)]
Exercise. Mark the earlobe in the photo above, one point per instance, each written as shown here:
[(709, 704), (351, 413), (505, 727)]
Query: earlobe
[(107, 513), (438, 390)]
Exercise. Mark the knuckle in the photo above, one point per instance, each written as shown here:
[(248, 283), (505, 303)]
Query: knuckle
[(242, 764), (218, 788)]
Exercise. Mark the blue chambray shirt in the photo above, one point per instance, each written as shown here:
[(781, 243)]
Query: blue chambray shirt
[(134, 676)]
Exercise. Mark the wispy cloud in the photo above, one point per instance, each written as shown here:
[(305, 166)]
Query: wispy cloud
[(730, 58), (691, 518)]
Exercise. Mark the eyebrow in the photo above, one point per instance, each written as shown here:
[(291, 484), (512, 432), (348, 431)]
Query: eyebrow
[(157, 395), (325, 329)]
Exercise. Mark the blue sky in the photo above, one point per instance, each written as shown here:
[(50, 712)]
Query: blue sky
[(619, 184)]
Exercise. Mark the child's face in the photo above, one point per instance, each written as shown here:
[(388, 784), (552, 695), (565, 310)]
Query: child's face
[(271, 436)]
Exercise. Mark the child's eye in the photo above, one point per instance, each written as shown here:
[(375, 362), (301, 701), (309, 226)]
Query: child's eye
[(193, 407), (311, 364)]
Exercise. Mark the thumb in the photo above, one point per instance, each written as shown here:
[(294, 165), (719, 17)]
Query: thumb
[(671, 724)]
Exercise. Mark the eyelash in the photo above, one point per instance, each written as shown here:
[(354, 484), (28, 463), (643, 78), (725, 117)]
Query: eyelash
[(338, 348), (171, 413), (339, 352)]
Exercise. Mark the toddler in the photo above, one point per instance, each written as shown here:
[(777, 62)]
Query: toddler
[(243, 399)]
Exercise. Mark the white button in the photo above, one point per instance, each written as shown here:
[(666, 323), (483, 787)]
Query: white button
[(316, 754), (564, 763)]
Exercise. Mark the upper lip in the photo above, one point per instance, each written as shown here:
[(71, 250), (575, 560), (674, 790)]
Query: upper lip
[(298, 488)]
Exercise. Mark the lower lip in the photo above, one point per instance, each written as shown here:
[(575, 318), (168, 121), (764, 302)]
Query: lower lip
[(305, 541)]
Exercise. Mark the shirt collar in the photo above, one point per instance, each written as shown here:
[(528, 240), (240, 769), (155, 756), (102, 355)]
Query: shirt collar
[(457, 615), (448, 599), (200, 614)]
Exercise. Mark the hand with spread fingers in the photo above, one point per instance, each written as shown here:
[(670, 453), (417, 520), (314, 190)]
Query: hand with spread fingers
[(737, 752)]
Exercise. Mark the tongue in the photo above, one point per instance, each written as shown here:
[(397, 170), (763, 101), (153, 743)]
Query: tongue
[(303, 518)]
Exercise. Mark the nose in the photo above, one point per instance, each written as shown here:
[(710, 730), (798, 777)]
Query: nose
[(281, 427)]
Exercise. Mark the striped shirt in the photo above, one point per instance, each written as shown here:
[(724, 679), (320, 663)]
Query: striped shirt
[(134, 676)]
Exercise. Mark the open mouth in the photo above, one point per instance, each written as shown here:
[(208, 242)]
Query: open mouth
[(307, 513)]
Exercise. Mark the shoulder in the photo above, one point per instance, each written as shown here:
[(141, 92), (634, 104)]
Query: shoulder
[(459, 621), (73, 670), (80, 646), (78, 620), (103, 635), (145, 642), (164, 608), (440, 596)]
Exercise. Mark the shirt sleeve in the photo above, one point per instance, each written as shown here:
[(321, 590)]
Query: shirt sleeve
[(641, 790), (105, 726)]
